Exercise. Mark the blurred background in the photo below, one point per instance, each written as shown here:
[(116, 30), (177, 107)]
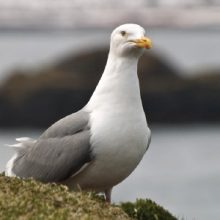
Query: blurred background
[(53, 52)]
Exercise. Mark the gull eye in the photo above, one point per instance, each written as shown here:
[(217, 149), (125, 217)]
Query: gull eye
[(123, 33)]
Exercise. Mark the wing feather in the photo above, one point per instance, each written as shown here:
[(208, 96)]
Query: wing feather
[(59, 153)]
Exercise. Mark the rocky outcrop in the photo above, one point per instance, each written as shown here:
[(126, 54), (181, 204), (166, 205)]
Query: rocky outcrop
[(41, 96)]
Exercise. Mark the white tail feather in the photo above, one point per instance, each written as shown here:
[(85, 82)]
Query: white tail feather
[(18, 145), (24, 142), (24, 139), (9, 166)]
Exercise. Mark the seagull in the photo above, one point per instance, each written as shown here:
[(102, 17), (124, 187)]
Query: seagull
[(100, 145)]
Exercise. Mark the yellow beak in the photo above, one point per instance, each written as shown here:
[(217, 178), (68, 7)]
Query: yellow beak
[(143, 42)]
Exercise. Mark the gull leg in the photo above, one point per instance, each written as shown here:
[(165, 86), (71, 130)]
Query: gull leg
[(108, 193)]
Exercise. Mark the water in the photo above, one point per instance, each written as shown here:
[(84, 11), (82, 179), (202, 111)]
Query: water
[(180, 171), (185, 49)]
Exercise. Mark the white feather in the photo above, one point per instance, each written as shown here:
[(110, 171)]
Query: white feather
[(15, 146), (24, 142), (24, 139), (119, 132), (9, 166)]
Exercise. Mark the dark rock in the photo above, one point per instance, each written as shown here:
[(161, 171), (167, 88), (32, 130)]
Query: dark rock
[(47, 106), (40, 97), (6, 112)]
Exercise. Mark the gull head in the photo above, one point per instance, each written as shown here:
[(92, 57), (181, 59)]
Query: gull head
[(129, 40)]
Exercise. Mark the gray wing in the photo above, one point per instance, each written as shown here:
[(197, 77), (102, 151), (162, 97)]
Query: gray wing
[(60, 151), (69, 125)]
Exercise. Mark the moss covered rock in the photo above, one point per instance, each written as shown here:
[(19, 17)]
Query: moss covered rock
[(29, 199), (146, 210)]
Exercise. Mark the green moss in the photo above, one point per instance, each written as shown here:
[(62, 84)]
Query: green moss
[(146, 210), (32, 200), (29, 199)]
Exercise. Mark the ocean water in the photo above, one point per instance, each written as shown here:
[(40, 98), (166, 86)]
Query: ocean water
[(180, 171)]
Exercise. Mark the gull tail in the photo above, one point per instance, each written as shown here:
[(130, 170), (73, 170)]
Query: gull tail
[(23, 144)]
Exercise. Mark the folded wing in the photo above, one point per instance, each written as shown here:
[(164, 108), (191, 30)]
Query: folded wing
[(60, 151)]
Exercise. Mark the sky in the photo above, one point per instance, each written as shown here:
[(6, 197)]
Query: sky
[(107, 13)]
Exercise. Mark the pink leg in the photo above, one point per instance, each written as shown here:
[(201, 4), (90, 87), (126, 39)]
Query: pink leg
[(108, 193)]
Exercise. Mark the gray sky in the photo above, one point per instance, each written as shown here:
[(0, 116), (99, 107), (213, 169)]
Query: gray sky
[(107, 13)]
